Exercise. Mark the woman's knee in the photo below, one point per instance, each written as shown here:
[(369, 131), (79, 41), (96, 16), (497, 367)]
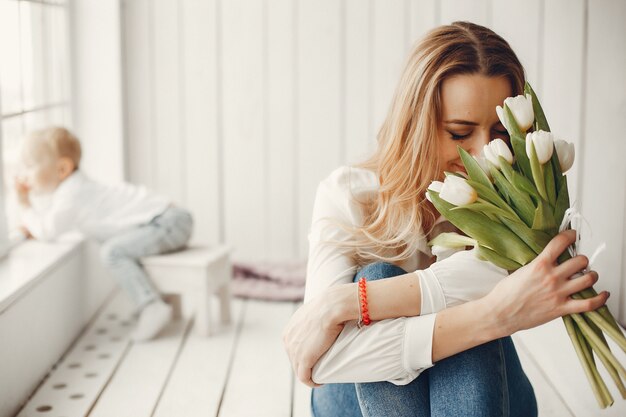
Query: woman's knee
[(379, 270), (330, 400), (386, 399)]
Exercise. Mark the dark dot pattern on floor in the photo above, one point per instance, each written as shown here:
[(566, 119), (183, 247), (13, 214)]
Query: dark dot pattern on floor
[(66, 392)]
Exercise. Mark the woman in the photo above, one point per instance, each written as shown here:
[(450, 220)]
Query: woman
[(373, 218)]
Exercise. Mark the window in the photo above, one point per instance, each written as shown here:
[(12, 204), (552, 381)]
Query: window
[(34, 85)]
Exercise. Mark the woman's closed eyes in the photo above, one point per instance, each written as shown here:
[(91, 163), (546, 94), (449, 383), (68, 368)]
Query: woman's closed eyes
[(461, 136)]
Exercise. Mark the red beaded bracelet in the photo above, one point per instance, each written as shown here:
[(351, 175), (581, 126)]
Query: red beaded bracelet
[(364, 315)]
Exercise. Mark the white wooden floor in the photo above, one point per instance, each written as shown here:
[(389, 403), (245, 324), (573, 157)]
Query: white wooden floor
[(240, 371)]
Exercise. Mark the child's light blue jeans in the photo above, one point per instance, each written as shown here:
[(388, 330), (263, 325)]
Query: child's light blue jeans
[(166, 232), (484, 381)]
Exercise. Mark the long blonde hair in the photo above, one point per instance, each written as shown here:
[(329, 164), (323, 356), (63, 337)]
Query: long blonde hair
[(405, 160)]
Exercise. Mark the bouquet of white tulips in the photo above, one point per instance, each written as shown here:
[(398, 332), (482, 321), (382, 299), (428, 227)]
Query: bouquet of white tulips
[(511, 204)]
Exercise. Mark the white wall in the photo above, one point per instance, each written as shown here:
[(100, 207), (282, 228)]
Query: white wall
[(42, 323), (97, 86), (238, 108)]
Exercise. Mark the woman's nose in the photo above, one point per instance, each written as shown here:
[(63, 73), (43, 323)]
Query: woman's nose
[(481, 139)]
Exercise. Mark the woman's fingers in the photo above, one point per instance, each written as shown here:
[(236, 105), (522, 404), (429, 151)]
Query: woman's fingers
[(589, 304), (580, 282), (304, 375), (572, 266), (558, 245)]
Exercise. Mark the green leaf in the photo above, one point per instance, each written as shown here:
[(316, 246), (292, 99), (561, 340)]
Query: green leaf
[(562, 202), (537, 171), (506, 168), (541, 123), (489, 209), (456, 174), (544, 218), (474, 171), (521, 202), (491, 195), (511, 123), (521, 159), (452, 240), (487, 232), (491, 256), (535, 239), (523, 183)]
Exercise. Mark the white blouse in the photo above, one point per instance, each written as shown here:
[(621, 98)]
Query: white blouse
[(395, 350), (97, 210)]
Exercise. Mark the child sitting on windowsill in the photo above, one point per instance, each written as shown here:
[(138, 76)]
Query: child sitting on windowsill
[(129, 221)]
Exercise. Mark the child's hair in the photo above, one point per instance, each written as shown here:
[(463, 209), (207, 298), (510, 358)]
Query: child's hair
[(58, 140), (406, 158)]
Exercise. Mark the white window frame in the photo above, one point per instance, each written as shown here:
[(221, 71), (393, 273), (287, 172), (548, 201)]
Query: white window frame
[(6, 240), (4, 233)]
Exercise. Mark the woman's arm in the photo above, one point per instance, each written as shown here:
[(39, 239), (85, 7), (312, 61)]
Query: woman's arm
[(533, 295), (457, 279)]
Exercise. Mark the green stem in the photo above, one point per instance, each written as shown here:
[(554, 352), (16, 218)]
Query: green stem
[(603, 311), (536, 169), (592, 337), (617, 336), (590, 293), (586, 348), (607, 364), (587, 367)]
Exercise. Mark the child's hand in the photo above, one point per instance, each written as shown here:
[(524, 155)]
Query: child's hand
[(22, 190)]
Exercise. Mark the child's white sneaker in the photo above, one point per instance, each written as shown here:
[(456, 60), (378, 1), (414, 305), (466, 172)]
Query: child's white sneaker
[(152, 319)]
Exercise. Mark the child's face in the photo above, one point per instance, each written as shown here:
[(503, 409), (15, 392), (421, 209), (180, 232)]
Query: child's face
[(40, 169), (469, 117)]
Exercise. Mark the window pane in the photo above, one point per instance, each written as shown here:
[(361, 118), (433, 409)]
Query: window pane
[(58, 116), (10, 79), (36, 120), (12, 133), (31, 43), (56, 55)]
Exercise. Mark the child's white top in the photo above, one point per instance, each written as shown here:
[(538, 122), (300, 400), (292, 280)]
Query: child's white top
[(97, 210), (395, 350)]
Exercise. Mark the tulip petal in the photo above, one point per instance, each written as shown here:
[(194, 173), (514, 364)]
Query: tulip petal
[(500, 113), (540, 117)]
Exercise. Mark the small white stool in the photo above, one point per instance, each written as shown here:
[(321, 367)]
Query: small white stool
[(194, 275)]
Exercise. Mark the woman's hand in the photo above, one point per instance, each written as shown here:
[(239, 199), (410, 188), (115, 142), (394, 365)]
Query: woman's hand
[(540, 291), (314, 327)]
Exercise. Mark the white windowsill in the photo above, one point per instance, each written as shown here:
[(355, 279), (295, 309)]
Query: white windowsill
[(28, 263)]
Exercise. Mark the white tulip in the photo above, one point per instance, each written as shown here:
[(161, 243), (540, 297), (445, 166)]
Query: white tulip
[(457, 191), (565, 152), (544, 145), (522, 109), (482, 162), (434, 186), (496, 148)]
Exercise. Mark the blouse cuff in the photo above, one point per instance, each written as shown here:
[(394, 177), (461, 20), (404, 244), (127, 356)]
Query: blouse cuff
[(432, 296), (418, 343)]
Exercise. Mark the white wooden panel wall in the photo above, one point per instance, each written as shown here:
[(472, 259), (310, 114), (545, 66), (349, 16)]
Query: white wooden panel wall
[(239, 108)]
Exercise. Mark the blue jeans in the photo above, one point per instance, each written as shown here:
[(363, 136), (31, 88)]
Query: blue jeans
[(483, 381), (166, 232)]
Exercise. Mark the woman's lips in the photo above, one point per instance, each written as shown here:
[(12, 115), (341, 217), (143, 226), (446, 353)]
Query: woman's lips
[(459, 168)]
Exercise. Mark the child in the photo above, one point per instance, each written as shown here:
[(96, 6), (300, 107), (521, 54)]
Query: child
[(129, 221)]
